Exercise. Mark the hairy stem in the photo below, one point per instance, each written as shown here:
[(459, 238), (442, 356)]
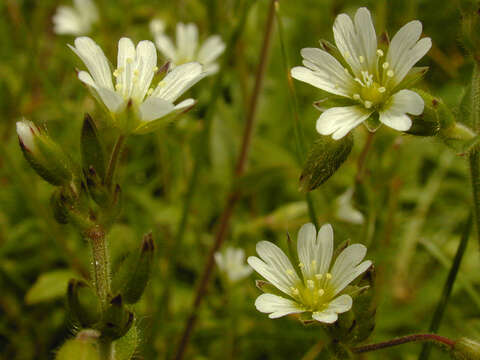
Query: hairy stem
[(293, 101), (436, 339), (447, 289), (474, 156), (234, 194)]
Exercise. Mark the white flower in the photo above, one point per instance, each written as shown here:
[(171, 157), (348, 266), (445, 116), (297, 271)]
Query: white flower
[(232, 263), (26, 131), (372, 79), (345, 210), (135, 70), (187, 46), (76, 20), (319, 289)]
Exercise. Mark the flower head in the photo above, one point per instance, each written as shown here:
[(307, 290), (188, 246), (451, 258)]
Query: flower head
[(319, 288), (345, 210), (231, 262), (372, 79), (76, 20), (136, 68), (187, 46)]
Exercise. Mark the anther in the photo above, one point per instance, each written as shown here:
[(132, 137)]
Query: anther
[(289, 271), (321, 292), (300, 265), (310, 284), (328, 275), (294, 291), (385, 65), (356, 97), (368, 105), (381, 89), (155, 69), (380, 52), (361, 59), (390, 73)]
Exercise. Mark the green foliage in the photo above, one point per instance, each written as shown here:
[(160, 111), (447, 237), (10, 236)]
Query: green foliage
[(49, 286)]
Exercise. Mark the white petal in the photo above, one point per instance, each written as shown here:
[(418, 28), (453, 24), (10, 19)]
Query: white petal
[(67, 21), (401, 103), (341, 304), (276, 306), (185, 104), (187, 41), (405, 50), (87, 10), (165, 46), (306, 248), (219, 260), (323, 71), (338, 121), (347, 277), (157, 27), (147, 60), (325, 247), (211, 49), (95, 61), (327, 317), (125, 65), (348, 259), (86, 78), (112, 100), (211, 69), (356, 41), (155, 108), (179, 80)]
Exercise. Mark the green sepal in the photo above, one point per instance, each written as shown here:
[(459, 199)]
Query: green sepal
[(331, 102), (57, 202), (135, 272), (413, 76), (93, 155), (78, 349), (324, 159), (97, 190), (268, 288), (117, 320), (83, 303), (330, 48), (465, 349), (372, 123), (71, 206), (49, 160)]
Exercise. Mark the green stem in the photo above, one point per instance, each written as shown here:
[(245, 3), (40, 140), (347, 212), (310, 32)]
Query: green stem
[(436, 339), (112, 164), (447, 289), (105, 349), (293, 101), (474, 156)]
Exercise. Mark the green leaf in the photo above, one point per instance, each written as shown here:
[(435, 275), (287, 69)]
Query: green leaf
[(77, 349), (91, 147), (126, 347), (49, 286)]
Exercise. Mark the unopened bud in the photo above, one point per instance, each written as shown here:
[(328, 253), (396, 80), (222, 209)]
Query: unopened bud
[(325, 157), (135, 272), (83, 303), (466, 349), (78, 349), (117, 320), (44, 155)]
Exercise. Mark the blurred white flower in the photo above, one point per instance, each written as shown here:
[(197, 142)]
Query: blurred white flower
[(76, 20), (345, 210), (135, 70), (319, 289), (374, 78), (231, 262), (187, 46)]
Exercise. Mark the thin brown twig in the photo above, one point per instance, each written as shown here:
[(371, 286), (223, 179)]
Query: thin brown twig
[(440, 340), (235, 193)]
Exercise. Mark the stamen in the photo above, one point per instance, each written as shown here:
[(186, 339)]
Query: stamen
[(314, 263), (381, 89), (361, 59), (118, 87), (155, 69), (289, 271), (310, 284), (346, 71), (301, 265), (368, 105), (356, 97), (319, 276), (321, 292), (136, 72), (294, 291), (328, 276), (346, 55), (390, 73), (380, 52), (385, 65)]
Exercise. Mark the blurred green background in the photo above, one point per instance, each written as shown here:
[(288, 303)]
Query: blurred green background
[(419, 192)]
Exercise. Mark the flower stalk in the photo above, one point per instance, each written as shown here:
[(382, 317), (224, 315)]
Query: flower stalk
[(474, 156), (433, 338), (234, 194)]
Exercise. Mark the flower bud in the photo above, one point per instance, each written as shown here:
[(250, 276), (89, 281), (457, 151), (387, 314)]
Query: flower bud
[(466, 349), (45, 156), (83, 303), (435, 116), (135, 272), (78, 349), (325, 157), (117, 320)]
